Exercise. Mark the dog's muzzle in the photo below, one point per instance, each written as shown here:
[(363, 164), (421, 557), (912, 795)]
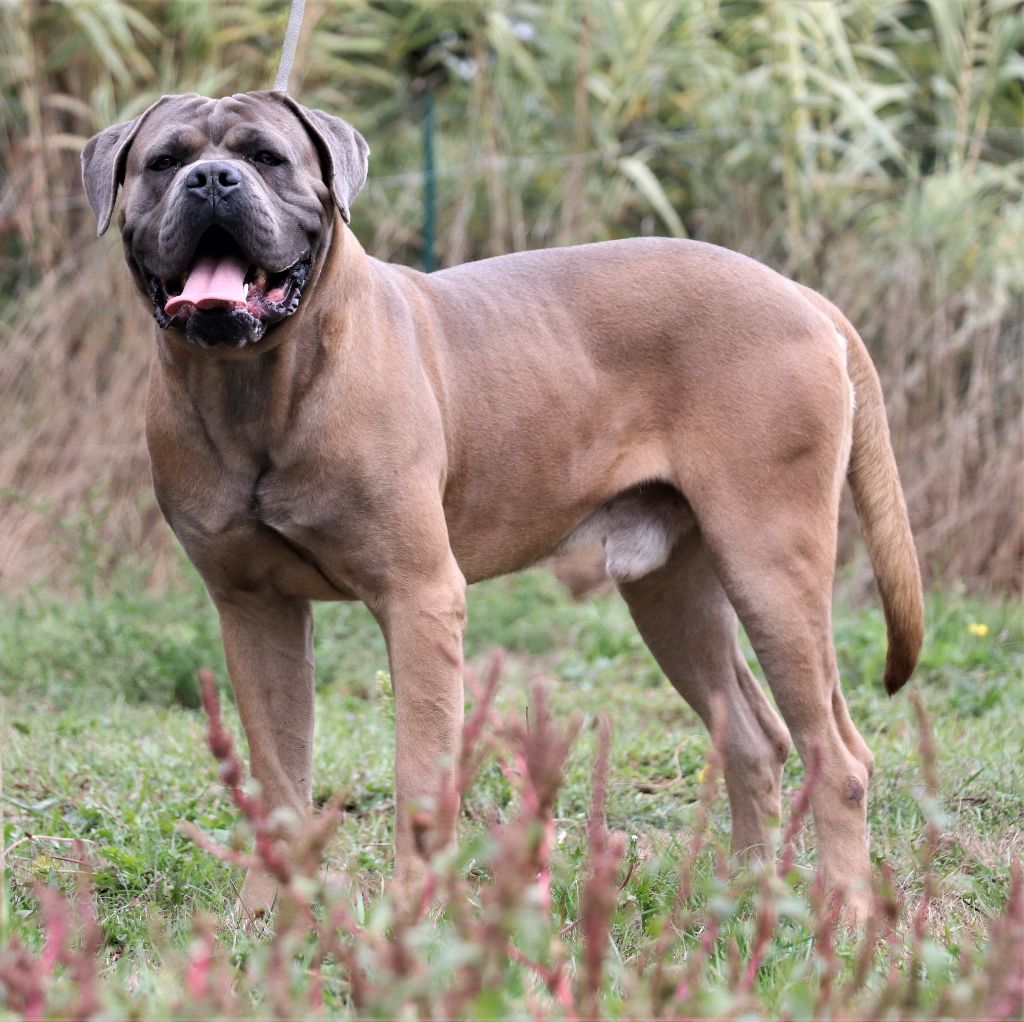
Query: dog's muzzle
[(225, 300)]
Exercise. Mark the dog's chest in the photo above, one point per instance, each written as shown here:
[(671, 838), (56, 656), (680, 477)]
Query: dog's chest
[(313, 523), (292, 504), (273, 508)]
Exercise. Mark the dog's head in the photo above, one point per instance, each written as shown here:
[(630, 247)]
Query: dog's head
[(228, 208)]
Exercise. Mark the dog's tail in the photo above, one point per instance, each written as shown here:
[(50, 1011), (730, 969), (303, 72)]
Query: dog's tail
[(878, 497)]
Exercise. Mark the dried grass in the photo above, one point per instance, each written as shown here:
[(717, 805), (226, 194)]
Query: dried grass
[(73, 385)]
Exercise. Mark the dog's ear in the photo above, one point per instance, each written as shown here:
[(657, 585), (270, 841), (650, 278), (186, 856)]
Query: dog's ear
[(103, 160), (344, 154)]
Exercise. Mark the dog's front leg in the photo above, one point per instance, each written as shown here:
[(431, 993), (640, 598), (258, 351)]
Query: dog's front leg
[(268, 643), (423, 623)]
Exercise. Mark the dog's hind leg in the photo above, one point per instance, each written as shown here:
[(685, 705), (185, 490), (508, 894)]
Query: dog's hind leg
[(783, 599), (686, 619), (768, 513)]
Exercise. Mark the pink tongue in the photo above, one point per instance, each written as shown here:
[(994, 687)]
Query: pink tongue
[(214, 282)]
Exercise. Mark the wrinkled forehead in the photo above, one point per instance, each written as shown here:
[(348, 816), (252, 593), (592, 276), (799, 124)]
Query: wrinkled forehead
[(234, 123)]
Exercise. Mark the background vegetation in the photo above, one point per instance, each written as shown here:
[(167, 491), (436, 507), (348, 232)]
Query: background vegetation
[(871, 148)]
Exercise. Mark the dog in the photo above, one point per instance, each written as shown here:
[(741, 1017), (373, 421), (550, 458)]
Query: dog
[(326, 426)]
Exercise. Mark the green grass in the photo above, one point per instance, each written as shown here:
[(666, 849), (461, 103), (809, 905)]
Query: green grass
[(101, 741)]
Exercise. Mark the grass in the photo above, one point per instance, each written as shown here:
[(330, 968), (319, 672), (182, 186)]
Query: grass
[(101, 742)]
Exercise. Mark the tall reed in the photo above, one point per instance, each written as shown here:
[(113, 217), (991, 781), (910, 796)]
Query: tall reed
[(874, 149)]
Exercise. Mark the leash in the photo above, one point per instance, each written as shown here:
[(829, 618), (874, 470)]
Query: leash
[(291, 43)]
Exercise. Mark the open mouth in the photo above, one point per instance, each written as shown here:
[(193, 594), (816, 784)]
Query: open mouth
[(224, 300)]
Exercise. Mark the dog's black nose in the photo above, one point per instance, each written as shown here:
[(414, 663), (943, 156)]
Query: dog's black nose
[(213, 180)]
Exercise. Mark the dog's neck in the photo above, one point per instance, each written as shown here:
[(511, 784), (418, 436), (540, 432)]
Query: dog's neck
[(255, 394)]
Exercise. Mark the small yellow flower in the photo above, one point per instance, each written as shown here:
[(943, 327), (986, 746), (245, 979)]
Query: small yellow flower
[(976, 628), (41, 864), (702, 774)]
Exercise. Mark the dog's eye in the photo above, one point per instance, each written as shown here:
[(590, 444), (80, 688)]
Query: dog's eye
[(268, 159), (163, 163)]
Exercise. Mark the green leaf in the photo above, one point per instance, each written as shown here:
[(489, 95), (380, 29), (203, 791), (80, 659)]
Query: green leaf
[(650, 188)]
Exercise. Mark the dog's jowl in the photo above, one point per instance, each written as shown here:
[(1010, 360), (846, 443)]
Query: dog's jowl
[(326, 426)]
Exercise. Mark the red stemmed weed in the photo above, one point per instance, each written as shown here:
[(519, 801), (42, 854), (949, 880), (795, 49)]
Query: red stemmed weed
[(514, 926)]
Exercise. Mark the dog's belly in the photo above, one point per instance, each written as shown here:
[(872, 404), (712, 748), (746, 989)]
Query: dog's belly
[(515, 508)]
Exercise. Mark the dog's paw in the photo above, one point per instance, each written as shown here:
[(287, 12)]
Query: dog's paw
[(257, 897)]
